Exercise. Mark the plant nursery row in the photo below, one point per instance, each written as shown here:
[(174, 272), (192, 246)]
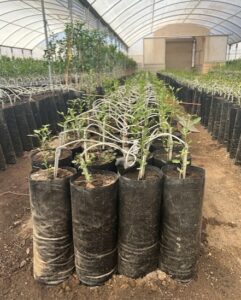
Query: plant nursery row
[(113, 188), (217, 104)]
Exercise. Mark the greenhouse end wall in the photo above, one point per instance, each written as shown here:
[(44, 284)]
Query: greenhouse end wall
[(167, 49)]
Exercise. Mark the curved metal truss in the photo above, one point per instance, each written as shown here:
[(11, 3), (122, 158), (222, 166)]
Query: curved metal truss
[(21, 21), (132, 20)]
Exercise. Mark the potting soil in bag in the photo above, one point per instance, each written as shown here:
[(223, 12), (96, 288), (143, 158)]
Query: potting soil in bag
[(53, 253), (39, 159), (94, 214), (139, 223), (181, 222)]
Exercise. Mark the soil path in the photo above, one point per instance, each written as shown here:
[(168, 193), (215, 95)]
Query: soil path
[(219, 274)]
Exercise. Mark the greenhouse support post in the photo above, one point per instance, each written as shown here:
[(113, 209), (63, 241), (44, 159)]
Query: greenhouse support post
[(47, 42)]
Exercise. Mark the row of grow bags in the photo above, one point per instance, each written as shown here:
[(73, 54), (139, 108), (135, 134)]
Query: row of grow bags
[(222, 118), (127, 226), (18, 122)]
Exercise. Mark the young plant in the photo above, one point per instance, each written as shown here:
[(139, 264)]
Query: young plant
[(187, 123), (83, 165), (44, 136)]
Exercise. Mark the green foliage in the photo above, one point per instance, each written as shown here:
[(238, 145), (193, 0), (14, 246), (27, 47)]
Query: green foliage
[(82, 165), (80, 51), (84, 50), (188, 122), (44, 136)]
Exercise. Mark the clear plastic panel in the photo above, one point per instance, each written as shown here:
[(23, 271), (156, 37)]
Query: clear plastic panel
[(21, 21)]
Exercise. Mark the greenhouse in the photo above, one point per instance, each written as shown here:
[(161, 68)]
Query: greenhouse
[(120, 149)]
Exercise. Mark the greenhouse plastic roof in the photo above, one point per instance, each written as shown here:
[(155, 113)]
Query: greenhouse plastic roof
[(21, 22), (133, 20)]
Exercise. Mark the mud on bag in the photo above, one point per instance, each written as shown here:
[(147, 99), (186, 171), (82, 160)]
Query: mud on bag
[(181, 222), (53, 253), (139, 223), (94, 214)]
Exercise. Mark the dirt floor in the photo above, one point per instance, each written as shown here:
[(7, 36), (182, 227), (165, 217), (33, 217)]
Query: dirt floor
[(219, 269)]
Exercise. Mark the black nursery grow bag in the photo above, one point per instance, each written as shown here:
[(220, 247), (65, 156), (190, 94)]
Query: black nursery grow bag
[(37, 160), (23, 126), (31, 122), (223, 121), (53, 253), (139, 223), (236, 135), (212, 113), (36, 113), (43, 109), (206, 100), (94, 214), (160, 158), (6, 142), (181, 222), (217, 117), (11, 122), (2, 160), (230, 125), (52, 113)]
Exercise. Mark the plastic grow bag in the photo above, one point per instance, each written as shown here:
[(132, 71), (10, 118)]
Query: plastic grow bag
[(52, 113), (11, 122), (43, 110), (217, 117), (139, 223), (160, 158), (207, 105), (181, 222), (31, 122), (238, 154), (227, 124), (35, 109), (2, 160), (94, 213), (213, 109), (196, 102), (23, 127), (108, 166), (64, 160), (223, 120), (236, 135), (6, 142), (232, 118), (61, 106), (53, 253)]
